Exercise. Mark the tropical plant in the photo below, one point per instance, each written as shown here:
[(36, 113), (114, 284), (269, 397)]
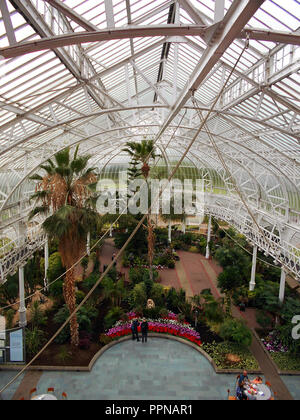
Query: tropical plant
[(37, 315), (85, 263), (175, 299), (54, 272), (9, 291), (34, 340), (68, 199), (213, 310), (236, 330), (90, 281), (63, 355), (86, 315), (138, 296), (112, 316), (9, 317), (140, 154)]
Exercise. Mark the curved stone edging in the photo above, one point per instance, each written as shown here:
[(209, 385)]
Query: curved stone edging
[(120, 340)]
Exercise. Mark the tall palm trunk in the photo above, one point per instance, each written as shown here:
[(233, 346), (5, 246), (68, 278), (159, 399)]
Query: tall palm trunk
[(150, 238), (151, 244), (70, 299)]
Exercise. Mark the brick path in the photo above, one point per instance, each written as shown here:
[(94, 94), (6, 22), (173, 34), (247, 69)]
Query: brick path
[(202, 274)]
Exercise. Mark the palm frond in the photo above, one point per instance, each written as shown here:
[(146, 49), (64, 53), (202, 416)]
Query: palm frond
[(48, 168), (63, 171), (38, 210), (51, 163), (63, 157), (36, 177), (92, 187), (129, 151), (40, 195), (78, 165), (76, 152)]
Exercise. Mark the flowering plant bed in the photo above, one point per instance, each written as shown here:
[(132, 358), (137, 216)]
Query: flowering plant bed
[(170, 316), (273, 344), (283, 358), (163, 325)]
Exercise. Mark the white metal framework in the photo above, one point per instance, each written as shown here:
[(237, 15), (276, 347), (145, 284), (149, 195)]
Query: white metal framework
[(99, 73)]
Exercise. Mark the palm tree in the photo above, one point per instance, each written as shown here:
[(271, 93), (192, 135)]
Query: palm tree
[(141, 153), (68, 199)]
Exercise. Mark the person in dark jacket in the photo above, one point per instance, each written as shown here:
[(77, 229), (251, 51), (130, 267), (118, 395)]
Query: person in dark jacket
[(134, 328), (144, 329)]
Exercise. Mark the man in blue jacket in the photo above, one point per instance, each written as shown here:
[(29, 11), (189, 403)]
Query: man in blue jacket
[(144, 329), (134, 328)]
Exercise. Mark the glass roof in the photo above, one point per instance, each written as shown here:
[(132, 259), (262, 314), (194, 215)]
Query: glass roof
[(101, 94)]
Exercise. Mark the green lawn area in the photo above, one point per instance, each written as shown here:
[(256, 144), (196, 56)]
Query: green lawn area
[(286, 361)]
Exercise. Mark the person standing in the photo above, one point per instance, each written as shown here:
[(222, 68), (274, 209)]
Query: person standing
[(134, 328), (243, 381), (144, 329)]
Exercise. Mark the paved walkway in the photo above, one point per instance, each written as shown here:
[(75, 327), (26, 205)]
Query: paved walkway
[(202, 274), (157, 370)]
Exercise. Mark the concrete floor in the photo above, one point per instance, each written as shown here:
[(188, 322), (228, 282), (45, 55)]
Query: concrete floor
[(157, 370), (293, 385)]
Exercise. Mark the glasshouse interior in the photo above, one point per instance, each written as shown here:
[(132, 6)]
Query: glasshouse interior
[(149, 200)]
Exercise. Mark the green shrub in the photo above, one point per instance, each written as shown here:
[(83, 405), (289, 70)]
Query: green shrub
[(9, 317), (55, 268), (213, 311), (138, 296), (63, 355), (90, 281), (264, 319), (104, 339), (80, 295), (152, 313), (138, 245), (112, 316), (194, 249), (56, 289), (34, 340), (163, 312), (219, 351), (187, 238), (85, 262), (236, 330), (171, 264), (37, 315), (93, 257), (175, 299), (230, 279), (9, 291), (157, 294), (286, 361), (125, 260), (136, 275), (85, 316)]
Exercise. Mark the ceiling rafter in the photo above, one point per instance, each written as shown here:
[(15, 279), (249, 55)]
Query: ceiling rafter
[(71, 117), (236, 18)]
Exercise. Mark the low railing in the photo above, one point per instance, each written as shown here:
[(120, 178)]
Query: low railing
[(19, 255)]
